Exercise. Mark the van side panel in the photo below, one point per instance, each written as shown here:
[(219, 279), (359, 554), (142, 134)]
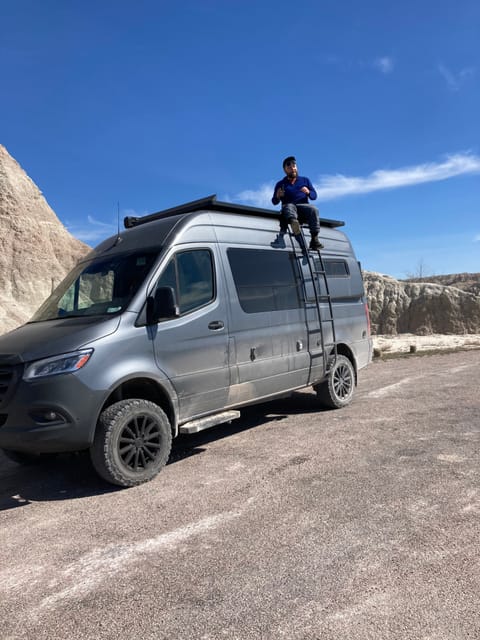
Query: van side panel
[(267, 317)]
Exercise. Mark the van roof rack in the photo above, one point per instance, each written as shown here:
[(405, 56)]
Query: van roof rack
[(212, 204)]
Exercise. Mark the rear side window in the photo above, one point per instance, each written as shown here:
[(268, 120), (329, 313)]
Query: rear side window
[(264, 280), (336, 268), (344, 280), (191, 276)]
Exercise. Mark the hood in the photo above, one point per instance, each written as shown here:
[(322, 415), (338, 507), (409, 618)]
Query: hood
[(52, 337)]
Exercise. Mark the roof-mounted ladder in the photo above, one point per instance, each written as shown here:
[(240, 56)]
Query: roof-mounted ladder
[(318, 275)]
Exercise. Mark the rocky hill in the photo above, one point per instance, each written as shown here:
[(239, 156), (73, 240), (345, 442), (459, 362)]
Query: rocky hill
[(36, 251), (421, 307), (469, 282)]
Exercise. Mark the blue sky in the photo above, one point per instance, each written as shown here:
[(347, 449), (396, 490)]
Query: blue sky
[(150, 104)]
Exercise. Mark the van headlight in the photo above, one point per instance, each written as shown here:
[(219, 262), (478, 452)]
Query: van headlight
[(65, 363)]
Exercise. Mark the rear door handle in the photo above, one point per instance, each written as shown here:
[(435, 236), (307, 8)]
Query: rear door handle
[(215, 325)]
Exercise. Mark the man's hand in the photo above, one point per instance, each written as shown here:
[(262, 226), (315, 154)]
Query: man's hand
[(305, 190), (280, 193)]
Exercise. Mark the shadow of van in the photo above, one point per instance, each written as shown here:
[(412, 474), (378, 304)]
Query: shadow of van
[(71, 476)]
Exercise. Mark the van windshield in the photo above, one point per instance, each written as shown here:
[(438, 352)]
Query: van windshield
[(100, 287)]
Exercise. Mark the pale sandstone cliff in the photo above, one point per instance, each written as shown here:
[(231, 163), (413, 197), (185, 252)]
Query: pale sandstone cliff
[(420, 307), (469, 282), (36, 251)]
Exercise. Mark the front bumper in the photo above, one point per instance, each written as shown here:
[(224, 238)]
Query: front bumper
[(49, 415)]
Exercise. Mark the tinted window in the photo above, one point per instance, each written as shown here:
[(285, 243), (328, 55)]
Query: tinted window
[(334, 268), (190, 274), (264, 280)]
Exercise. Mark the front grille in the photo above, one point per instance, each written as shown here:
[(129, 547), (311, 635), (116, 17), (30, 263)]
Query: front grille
[(8, 377)]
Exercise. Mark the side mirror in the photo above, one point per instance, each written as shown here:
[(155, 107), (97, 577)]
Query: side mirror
[(162, 306)]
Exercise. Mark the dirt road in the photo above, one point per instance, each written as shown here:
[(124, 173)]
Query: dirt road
[(292, 523)]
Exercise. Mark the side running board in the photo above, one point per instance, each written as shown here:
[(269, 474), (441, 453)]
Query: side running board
[(194, 426)]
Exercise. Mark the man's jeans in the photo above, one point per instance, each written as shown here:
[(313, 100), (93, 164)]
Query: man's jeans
[(305, 213)]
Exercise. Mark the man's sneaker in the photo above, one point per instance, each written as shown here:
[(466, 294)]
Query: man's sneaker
[(295, 227), (279, 242), (315, 243)]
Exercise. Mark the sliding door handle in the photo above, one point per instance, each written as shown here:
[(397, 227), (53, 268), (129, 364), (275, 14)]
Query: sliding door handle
[(215, 325)]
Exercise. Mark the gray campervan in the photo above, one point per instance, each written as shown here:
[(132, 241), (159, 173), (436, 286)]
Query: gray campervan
[(171, 327)]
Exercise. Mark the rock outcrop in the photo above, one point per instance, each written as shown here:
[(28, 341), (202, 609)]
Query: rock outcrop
[(36, 251), (469, 282), (420, 307)]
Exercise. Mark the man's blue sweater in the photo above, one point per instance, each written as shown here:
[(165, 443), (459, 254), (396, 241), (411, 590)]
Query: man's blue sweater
[(293, 195)]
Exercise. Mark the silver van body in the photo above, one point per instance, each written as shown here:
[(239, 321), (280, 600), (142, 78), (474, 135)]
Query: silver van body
[(172, 326)]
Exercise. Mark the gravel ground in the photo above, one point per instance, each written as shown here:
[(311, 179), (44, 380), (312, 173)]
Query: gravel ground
[(291, 523)]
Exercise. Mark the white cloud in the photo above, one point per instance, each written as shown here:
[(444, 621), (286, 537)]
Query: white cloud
[(338, 186), (455, 80), (384, 64), (331, 187), (98, 223), (261, 197), (93, 232), (477, 238)]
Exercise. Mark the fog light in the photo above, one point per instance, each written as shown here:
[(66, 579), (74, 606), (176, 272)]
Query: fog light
[(47, 416)]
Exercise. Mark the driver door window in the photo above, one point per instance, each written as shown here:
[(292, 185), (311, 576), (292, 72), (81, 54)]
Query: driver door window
[(190, 275)]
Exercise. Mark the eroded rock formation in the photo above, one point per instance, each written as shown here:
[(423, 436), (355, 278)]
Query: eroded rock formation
[(420, 307), (36, 251)]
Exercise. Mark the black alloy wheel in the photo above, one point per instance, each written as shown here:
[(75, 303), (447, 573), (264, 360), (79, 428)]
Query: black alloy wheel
[(132, 442), (337, 390)]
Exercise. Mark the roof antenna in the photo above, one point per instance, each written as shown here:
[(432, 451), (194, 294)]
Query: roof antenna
[(118, 239)]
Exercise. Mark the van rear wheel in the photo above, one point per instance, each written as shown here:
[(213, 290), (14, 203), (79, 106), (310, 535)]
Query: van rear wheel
[(132, 442), (337, 390)]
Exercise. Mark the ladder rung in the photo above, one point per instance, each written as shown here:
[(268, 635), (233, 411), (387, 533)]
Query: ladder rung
[(326, 320), (321, 298), (318, 330)]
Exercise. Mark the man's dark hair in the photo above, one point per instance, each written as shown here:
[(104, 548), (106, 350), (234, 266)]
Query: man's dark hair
[(289, 159)]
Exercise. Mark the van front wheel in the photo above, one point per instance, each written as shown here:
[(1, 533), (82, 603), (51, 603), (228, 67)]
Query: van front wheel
[(132, 442), (337, 390)]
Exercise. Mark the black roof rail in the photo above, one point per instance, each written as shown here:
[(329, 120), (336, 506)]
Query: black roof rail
[(212, 204)]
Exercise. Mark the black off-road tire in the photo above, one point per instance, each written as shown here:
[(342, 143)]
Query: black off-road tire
[(132, 442), (337, 390)]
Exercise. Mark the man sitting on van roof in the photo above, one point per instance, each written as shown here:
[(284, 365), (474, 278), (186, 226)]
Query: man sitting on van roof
[(294, 191)]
